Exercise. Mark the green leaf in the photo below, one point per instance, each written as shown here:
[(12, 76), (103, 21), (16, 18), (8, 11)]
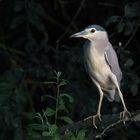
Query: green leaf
[(112, 19), (49, 82), (61, 104), (45, 133), (57, 137), (134, 89), (135, 83), (34, 135), (129, 63), (63, 82), (128, 28), (132, 10), (120, 27), (73, 138), (36, 126), (50, 112), (29, 115), (81, 135), (68, 135), (68, 96), (66, 119), (47, 96), (52, 129)]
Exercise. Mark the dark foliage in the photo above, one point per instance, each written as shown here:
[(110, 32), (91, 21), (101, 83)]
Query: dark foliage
[(43, 83)]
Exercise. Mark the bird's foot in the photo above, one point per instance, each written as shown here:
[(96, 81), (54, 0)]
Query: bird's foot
[(124, 115), (94, 117)]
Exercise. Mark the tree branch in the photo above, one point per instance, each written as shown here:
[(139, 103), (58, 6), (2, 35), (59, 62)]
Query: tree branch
[(132, 36), (107, 125)]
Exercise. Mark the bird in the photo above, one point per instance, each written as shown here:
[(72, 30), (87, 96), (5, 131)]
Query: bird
[(101, 63)]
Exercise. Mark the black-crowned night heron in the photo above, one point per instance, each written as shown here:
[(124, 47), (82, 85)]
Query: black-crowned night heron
[(101, 63)]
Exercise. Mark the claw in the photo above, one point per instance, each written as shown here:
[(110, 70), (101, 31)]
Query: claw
[(124, 114), (100, 118), (94, 119)]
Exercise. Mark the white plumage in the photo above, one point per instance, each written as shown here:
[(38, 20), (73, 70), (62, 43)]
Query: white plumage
[(101, 63)]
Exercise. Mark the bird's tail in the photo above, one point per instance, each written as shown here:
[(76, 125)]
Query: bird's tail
[(112, 95)]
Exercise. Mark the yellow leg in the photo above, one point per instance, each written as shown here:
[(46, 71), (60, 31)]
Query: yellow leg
[(98, 115), (125, 113)]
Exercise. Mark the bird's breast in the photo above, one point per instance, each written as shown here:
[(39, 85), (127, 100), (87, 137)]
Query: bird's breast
[(97, 67)]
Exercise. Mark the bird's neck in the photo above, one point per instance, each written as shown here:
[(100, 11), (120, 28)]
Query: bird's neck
[(99, 46)]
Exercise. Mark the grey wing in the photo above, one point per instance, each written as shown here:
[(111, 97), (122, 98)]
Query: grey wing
[(112, 61)]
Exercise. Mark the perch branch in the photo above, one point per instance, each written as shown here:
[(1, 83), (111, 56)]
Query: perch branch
[(107, 125)]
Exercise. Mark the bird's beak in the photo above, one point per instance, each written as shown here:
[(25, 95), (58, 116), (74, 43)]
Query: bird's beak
[(79, 34)]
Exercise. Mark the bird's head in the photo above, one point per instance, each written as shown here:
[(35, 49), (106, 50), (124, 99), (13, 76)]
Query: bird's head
[(92, 33)]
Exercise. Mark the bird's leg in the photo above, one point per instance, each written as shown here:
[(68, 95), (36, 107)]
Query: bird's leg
[(125, 112), (98, 115)]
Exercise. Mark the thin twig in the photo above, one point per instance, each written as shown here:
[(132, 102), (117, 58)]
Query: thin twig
[(67, 29), (64, 12), (101, 135), (73, 19), (110, 5), (131, 37), (12, 50)]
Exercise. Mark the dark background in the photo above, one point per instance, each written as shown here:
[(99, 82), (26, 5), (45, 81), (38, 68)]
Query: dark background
[(34, 42)]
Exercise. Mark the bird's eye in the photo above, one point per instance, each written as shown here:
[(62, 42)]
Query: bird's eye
[(92, 30)]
